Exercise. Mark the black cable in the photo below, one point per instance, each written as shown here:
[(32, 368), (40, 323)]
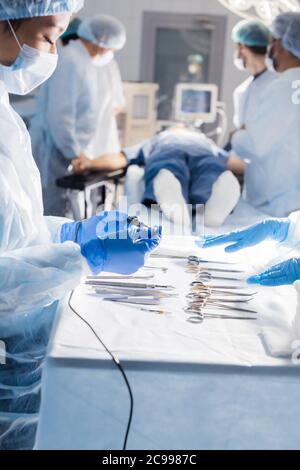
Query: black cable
[(117, 363), (114, 358)]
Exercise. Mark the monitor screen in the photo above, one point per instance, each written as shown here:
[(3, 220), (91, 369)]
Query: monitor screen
[(196, 102)]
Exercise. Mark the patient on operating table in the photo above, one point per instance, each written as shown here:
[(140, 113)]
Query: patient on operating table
[(178, 167)]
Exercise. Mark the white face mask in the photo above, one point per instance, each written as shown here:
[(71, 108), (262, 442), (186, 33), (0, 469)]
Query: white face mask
[(31, 68), (239, 62), (270, 64), (103, 59)]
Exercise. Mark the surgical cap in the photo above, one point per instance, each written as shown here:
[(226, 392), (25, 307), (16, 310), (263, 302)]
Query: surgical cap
[(18, 9), (72, 29), (104, 31), (286, 27), (251, 33)]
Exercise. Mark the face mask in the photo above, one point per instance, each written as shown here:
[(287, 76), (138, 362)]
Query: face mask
[(239, 63), (103, 59), (270, 64), (31, 68)]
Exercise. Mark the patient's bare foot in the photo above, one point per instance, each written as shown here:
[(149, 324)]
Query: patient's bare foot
[(168, 194), (225, 195)]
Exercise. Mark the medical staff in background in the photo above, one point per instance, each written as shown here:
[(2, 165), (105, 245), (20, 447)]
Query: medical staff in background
[(75, 112), (41, 258), (281, 162), (270, 143), (251, 39)]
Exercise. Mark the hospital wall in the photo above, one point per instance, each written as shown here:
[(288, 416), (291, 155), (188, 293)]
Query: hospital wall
[(130, 12)]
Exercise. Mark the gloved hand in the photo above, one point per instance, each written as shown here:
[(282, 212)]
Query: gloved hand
[(111, 243), (282, 274), (274, 229)]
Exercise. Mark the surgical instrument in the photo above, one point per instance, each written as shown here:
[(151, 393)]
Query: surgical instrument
[(134, 285), (207, 291), (219, 299), (117, 277), (191, 259), (201, 306), (194, 260), (206, 276), (135, 292), (198, 318), (203, 285), (157, 268), (134, 300)]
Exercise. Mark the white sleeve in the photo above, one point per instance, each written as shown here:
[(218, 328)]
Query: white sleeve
[(64, 88), (271, 125), (34, 272), (294, 230), (34, 277), (54, 225), (118, 93)]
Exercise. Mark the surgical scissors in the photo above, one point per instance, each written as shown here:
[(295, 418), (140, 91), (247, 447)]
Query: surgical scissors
[(196, 261), (208, 291), (199, 317), (192, 259), (207, 304), (207, 276), (203, 285)]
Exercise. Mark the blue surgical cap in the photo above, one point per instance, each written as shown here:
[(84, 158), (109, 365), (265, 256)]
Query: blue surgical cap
[(251, 33), (286, 27), (18, 9), (104, 31), (72, 29)]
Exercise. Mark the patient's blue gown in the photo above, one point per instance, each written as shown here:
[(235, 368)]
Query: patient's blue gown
[(192, 158)]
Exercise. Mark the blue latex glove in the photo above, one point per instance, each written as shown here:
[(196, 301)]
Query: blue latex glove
[(282, 274), (274, 229), (111, 244)]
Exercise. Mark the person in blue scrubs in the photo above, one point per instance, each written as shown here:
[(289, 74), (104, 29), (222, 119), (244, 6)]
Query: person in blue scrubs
[(181, 167)]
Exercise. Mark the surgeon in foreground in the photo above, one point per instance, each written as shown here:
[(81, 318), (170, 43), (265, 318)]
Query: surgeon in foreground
[(41, 259)]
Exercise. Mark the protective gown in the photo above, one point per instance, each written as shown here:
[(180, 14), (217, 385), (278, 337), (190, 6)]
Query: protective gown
[(36, 271), (111, 98), (271, 144), (65, 124), (247, 97)]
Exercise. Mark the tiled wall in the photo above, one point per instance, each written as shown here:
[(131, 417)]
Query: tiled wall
[(130, 13)]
